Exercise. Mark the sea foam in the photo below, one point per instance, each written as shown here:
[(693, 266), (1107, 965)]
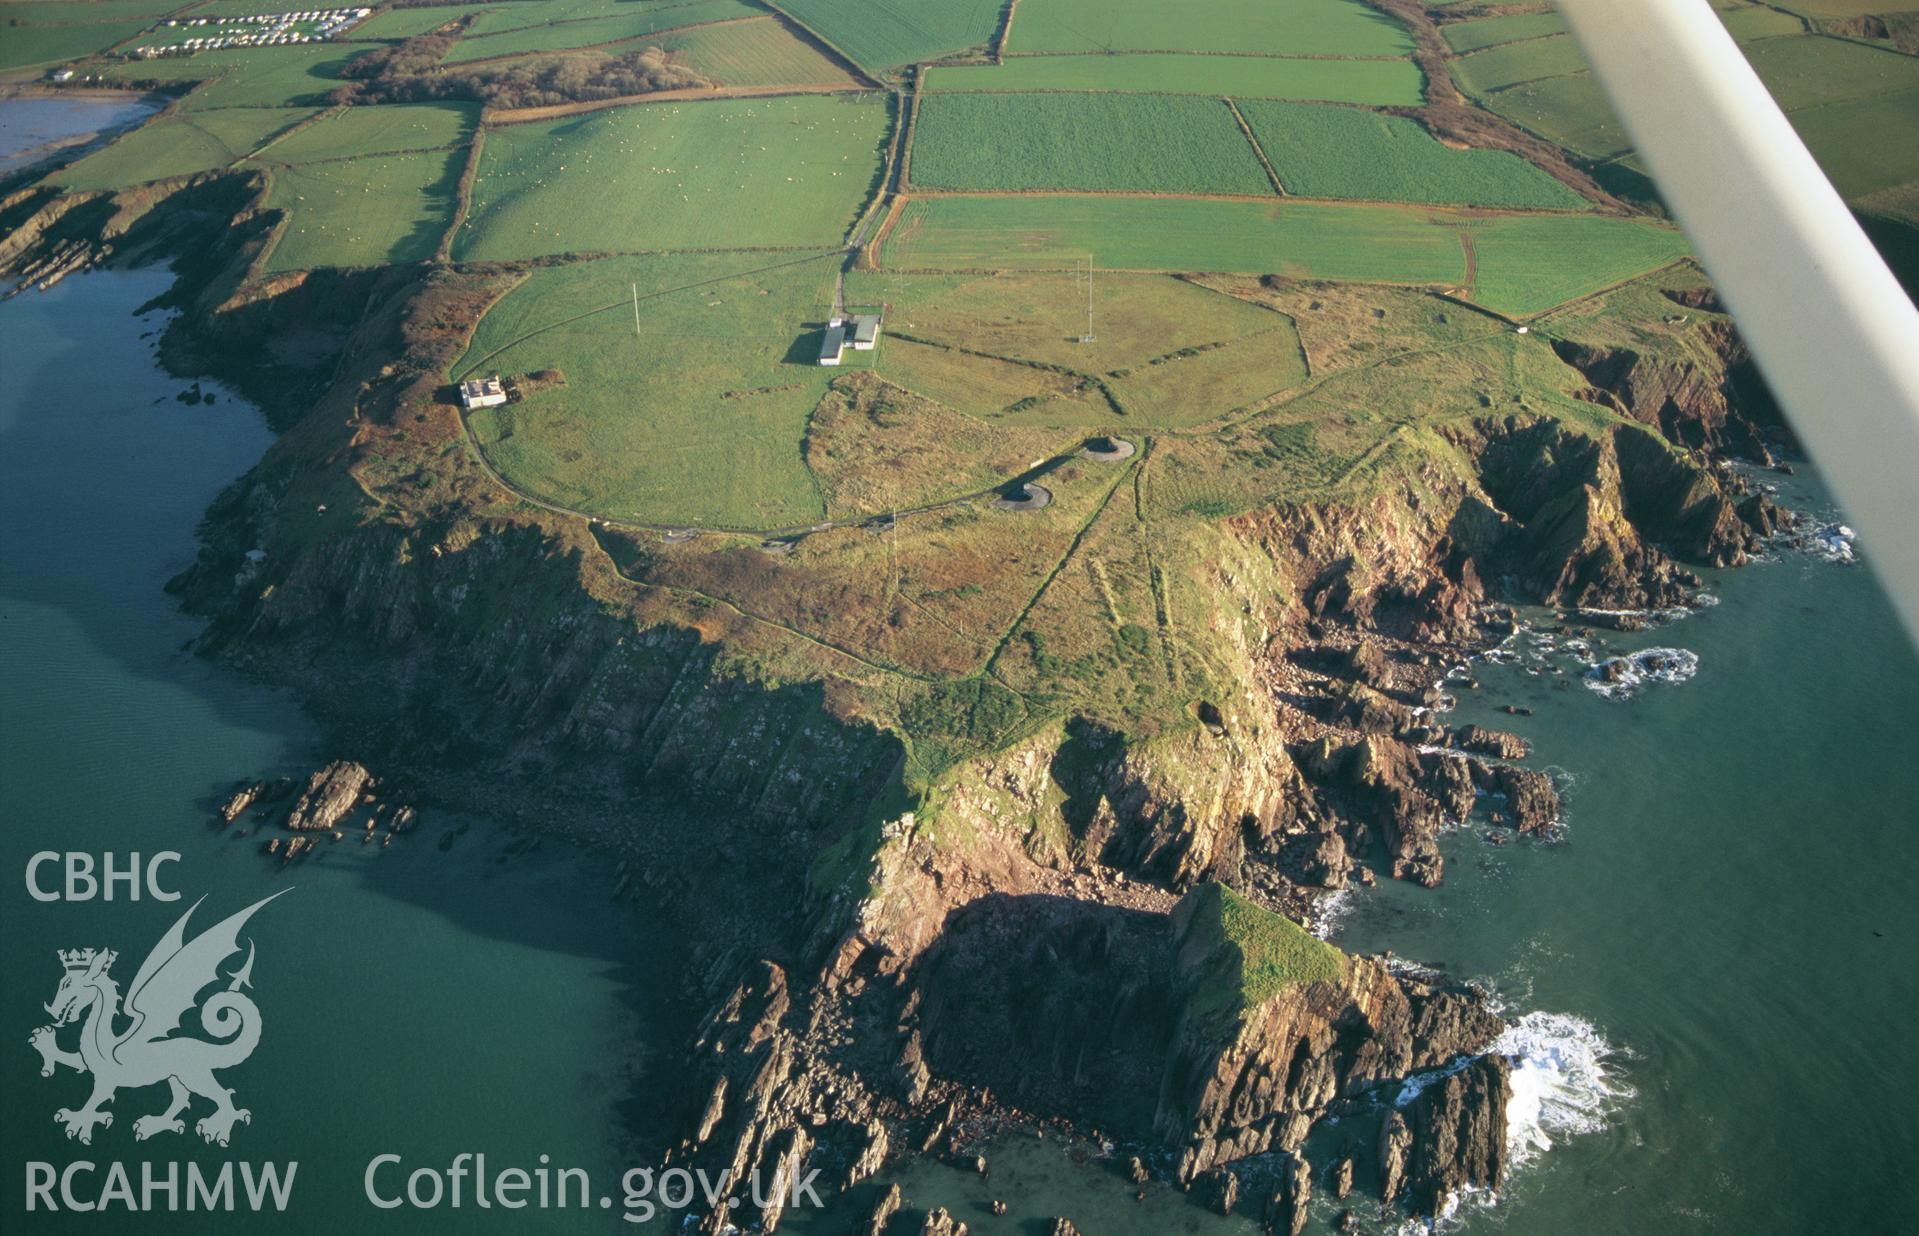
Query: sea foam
[(1622, 676), (1563, 1085)]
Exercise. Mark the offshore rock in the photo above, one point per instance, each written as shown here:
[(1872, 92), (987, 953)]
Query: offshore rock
[(1395, 1155), (331, 792), (1459, 1134), (883, 1211)]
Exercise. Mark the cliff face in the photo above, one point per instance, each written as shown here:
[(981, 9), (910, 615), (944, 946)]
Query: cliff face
[(1049, 929)]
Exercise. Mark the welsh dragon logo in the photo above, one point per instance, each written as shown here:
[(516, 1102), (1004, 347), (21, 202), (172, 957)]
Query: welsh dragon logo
[(137, 1046)]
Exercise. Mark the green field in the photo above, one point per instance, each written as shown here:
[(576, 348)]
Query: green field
[(1849, 140), (1759, 22), (1206, 384), (179, 146), (1506, 65), (1344, 152), (357, 131), (81, 12), (1528, 264), (700, 419), (249, 8), (630, 21), (1571, 111), (24, 45), (1850, 8), (409, 23), (1296, 27), (883, 34), (523, 14), (248, 76), (1157, 143), (676, 176), (1470, 36), (1805, 72), (1382, 83), (1309, 240), (754, 53), (364, 212), (1039, 316), (975, 385)]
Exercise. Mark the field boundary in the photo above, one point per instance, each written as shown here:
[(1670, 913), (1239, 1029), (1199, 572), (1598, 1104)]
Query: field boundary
[(1259, 152), (463, 193), (807, 35), (558, 111), (1005, 31), (871, 75), (1169, 51), (574, 21), (912, 127)]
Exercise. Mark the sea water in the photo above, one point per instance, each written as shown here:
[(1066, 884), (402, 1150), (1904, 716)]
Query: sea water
[(414, 1000)]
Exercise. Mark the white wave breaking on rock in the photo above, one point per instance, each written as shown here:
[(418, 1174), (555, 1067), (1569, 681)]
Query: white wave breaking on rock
[(1563, 1083), (1622, 676)]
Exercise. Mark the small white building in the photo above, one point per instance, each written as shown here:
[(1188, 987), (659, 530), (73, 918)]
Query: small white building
[(865, 329), (833, 347), (482, 393)]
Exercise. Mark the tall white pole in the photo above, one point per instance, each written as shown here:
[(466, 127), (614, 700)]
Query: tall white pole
[(1833, 332)]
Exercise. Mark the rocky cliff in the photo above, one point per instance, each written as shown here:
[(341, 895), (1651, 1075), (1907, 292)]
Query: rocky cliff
[(1092, 921)]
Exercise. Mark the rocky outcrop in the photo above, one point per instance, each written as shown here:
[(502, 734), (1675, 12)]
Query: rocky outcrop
[(1459, 1134), (1689, 403), (331, 793), (1257, 1079)]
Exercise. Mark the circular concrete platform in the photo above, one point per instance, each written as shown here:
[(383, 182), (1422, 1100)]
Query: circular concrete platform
[(1037, 497), (1107, 449)]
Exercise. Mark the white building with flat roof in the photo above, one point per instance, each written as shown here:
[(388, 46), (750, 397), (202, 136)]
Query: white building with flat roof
[(482, 393)]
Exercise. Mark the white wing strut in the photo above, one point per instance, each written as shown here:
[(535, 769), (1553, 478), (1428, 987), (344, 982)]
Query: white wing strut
[(1832, 330)]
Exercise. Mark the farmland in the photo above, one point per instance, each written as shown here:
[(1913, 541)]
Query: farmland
[(1804, 72), (1528, 264), (682, 174), (1301, 239), (699, 419), (883, 34), (1848, 139), (369, 211), (519, 15), (761, 52), (1299, 27), (72, 13), (1506, 65), (357, 131), (1470, 36), (1038, 316), (1151, 143), (180, 146), (1381, 83), (628, 22), (1343, 152), (409, 23), (25, 45), (1570, 111), (247, 76)]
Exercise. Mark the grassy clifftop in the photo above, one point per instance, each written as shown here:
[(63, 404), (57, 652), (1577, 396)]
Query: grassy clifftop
[(1247, 954)]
